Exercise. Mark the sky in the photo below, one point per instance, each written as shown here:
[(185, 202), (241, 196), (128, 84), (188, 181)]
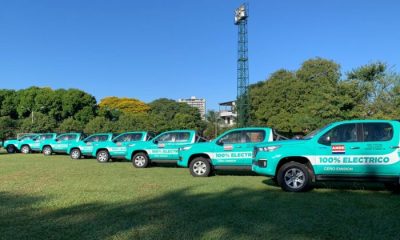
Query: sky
[(178, 49)]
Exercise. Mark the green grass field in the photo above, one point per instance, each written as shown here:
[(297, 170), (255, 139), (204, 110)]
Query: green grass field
[(59, 198)]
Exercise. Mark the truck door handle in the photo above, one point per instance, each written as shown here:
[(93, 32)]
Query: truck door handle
[(394, 147), (238, 147), (355, 148)]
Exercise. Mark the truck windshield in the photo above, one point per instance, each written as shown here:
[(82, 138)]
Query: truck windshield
[(315, 132)]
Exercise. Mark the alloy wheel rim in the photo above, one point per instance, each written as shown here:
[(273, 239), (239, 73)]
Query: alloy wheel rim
[(294, 178), (75, 154), (25, 150), (139, 161), (103, 157), (199, 168), (47, 151)]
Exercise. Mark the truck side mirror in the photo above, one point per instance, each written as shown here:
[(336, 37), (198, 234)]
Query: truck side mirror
[(155, 141)]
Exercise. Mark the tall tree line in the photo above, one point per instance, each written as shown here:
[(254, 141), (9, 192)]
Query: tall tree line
[(317, 94)]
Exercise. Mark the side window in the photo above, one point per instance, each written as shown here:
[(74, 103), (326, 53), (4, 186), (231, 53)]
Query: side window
[(62, 138), (129, 137), (375, 132), (254, 136), (91, 139), (167, 137), (341, 133), (182, 137), (44, 137), (102, 138), (149, 136), (232, 137)]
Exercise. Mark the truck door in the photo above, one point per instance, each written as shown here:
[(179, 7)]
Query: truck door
[(236, 147), (120, 144), (166, 146), (380, 150), (336, 150)]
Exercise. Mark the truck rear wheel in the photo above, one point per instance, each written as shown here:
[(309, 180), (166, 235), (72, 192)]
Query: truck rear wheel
[(47, 150), (25, 149), (103, 156), (10, 149), (294, 177), (140, 160), (200, 167)]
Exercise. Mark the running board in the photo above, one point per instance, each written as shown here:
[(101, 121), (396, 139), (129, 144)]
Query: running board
[(357, 178), (163, 161), (239, 168)]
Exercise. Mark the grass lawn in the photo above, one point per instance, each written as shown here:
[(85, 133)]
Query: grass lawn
[(59, 198)]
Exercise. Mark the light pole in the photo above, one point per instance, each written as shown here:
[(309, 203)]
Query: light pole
[(32, 111)]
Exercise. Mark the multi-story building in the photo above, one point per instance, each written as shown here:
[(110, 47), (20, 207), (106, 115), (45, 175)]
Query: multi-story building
[(227, 113), (199, 103)]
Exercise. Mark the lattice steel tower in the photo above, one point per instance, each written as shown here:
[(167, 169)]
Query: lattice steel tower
[(243, 98)]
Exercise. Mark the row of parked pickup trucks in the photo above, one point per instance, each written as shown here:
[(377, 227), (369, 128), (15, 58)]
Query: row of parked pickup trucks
[(348, 150)]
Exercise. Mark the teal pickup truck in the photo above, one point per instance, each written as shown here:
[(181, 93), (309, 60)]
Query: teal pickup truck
[(59, 144), (117, 147), (231, 150), (163, 148), (350, 150), (27, 143), (85, 147)]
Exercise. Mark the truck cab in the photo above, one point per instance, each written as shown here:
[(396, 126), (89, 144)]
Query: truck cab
[(85, 147), (20, 144), (117, 147), (59, 144), (163, 148), (34, 146), (231, 150), (349, 150)]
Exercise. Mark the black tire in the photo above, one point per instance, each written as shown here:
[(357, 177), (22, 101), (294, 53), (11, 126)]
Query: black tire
[(75, 153), (140, 160), (47, 150), (25, 149), (103, 156), (11, 149), (200, 167), (290, 183)]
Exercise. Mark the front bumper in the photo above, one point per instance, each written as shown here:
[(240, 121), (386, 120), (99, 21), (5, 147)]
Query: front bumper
[(262, 167)]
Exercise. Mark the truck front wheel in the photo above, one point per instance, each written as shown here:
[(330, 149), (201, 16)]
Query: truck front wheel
[(75, 153), (103, 156), (294, 177), (47, 150), (200, 167), (140, 160), (25, 149)]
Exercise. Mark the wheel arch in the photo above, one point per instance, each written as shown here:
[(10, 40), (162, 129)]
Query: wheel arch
[(196, 155), (298, 159), (102, 148), (140, 151)]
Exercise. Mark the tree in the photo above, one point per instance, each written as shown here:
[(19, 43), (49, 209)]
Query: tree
[(71, 125), (134, 122), (124, 105), (378, 86), (99, 124), (167, 114), (41, 123), (7, 127), (212, 124), (75, 100), (8, 103)]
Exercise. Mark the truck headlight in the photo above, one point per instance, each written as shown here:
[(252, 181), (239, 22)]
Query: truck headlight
[(268, 148)]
